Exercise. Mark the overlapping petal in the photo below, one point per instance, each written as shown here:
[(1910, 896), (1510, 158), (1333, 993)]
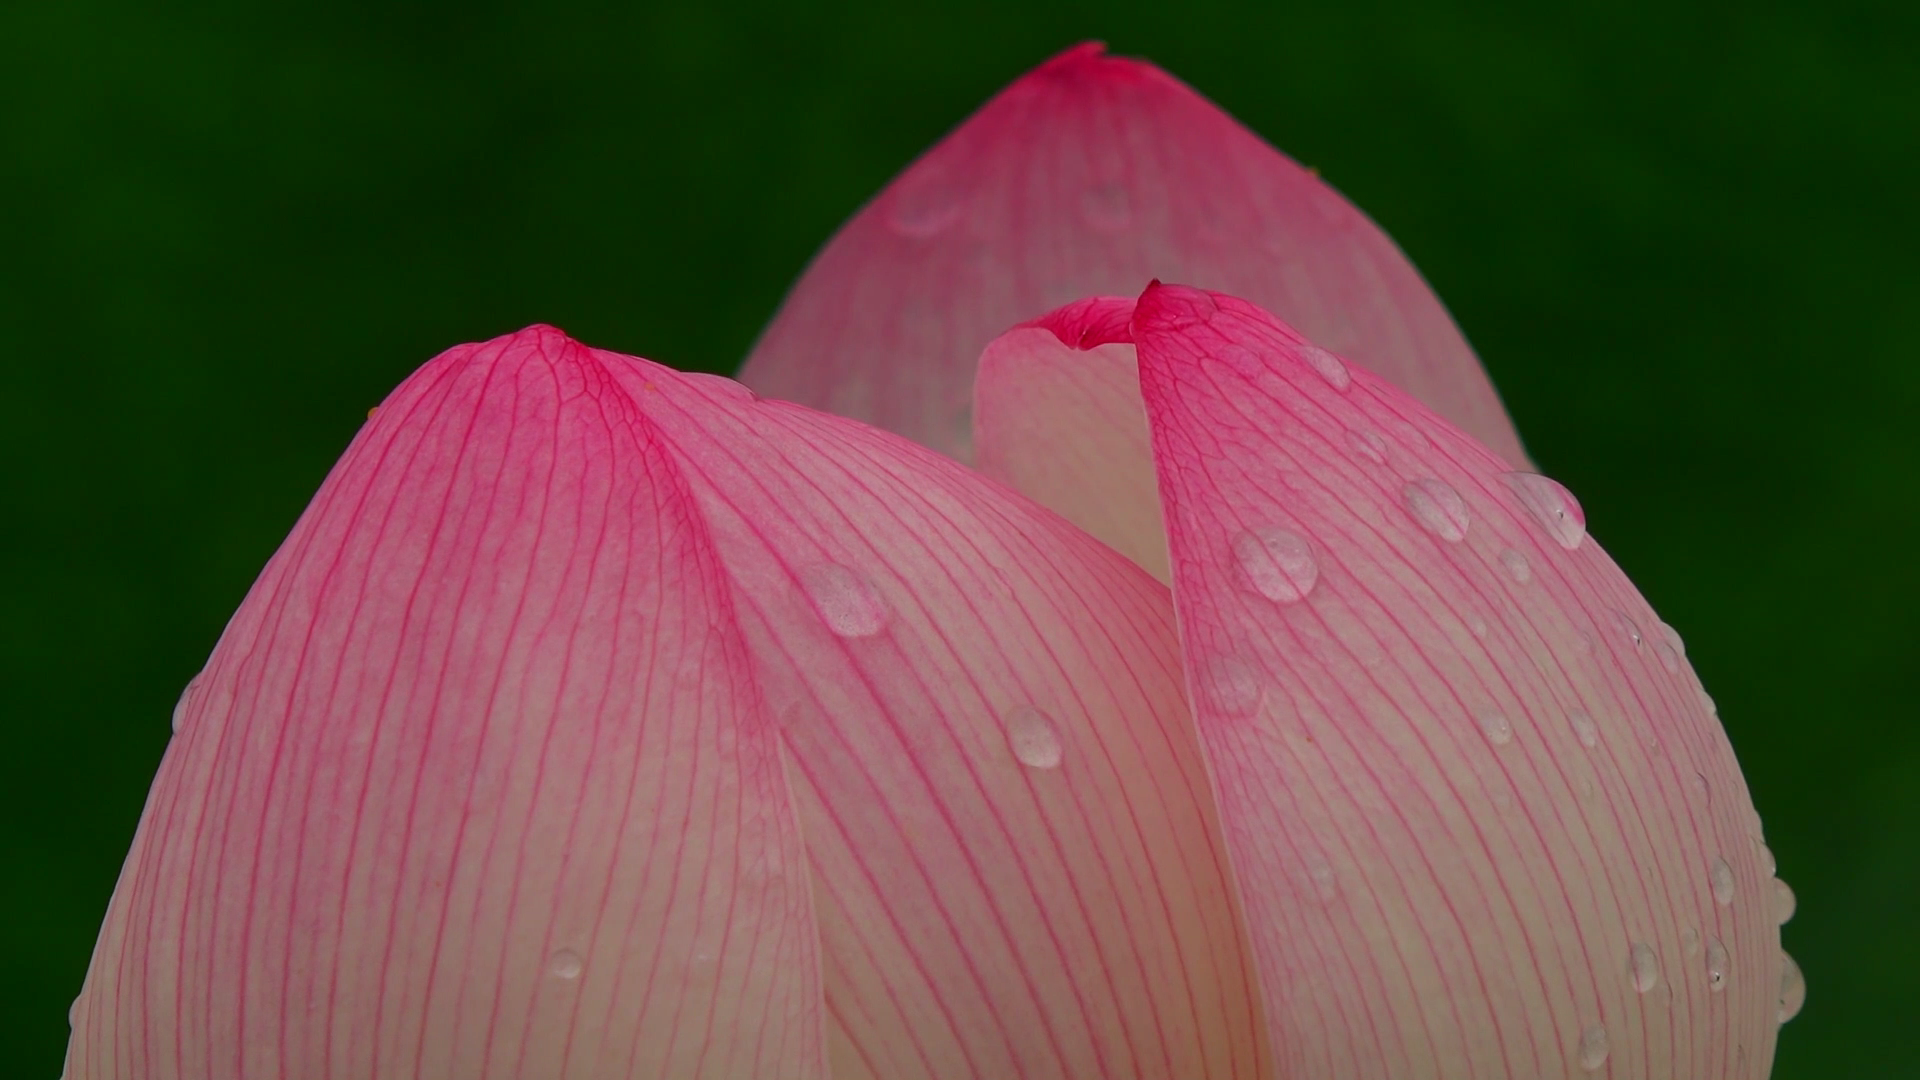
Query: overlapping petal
[(1483, 818), (1091, 175), (601, 720)]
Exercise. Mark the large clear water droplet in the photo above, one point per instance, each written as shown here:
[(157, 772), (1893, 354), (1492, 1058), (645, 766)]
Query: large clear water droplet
[(1552, 505), (1327, 366), (1438, 508), (1592, 1051), (1106, 207), (1276, 563), (566, 964), (1034, 739), (1516, 566), (1496, 726), (1584, 728), (1784, 902), (1720, 877), (1793, 989), (1367, 444), (1716, 965), (1644, 965), (846, 601)]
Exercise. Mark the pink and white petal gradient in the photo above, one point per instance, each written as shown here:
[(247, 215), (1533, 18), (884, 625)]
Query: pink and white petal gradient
[(1090, 175), (601, 720), (1483, 818), (477, 783)]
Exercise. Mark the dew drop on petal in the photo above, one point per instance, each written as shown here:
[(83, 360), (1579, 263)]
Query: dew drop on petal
[(180, 707), (1034, 739), (1516, 566), (1476, 626), (1784, 902), (1367, 444), (1720, 877), (1276, 563), (1689, 942), (1232, 686), (1592, 1052), (1498, 729), (1698, 782), (1191, 308), (1584, 728), (1628, 627), (1716, 965), (1768, 864), (1320, 872), (566, 964), (1644, 965), (1438, 508), (1793, 989), (1707, 703), (1669, 659), (1552, 505), (926, 205), (1106, 207), (1328, 366), (845, 601)]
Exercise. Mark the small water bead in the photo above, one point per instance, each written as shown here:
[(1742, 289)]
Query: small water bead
[(1277, 564), (1698, 782), (1720, 877), (1716, 965), (180, 707), (1498, 729), (1689, 942), (1707, 703), (1516, 566), (1438, 508), (845, 601), (1330, 367), (566, 964), (1669, 659), (1584, 728), (1190, 307), (1784, 902), (1644, 965), (1106, 207), (1367, 444), (926, 206), (1232, 686), (1477, 626), (1552, 505), (1628, 627), (1034, 739), (1768, 864), (1793, 989), (1592, 1051), (1320, 873)]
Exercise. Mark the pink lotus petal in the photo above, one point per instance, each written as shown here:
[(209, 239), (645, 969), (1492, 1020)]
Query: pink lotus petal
[(1066, 428), (1480, 828), (1015, 853), (1094, 174), (477, 783)]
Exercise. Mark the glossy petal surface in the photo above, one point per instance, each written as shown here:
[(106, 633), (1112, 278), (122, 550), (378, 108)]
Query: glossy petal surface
[(1094, 174), (1017, 863), (477, 782), (1459, 800)]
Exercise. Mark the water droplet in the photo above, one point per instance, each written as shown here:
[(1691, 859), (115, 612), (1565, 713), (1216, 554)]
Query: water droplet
[(1720, 876), (1476, 626), (1793, 989), (1784, 902), (1232, 686), (1498, 728), (1628, 627), (73, 1009), (1552, 505), (1698, 782), (1584, 728), (566, 964), (1320, 873), (1033, 738), (180, 707), (1592, 1052), (845, 600), (1669, 659), (1689, 942), (1438, 508), (1190, 307), (926, 205), (1330, 367), (1106, 207), (1644, 964), (1516, 566), (1716, 965), (1707, 703), (1768, 864), (1277, 564), (1367, 444)]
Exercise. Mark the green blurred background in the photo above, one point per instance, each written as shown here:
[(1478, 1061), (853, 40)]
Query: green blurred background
[(1684, 241)]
